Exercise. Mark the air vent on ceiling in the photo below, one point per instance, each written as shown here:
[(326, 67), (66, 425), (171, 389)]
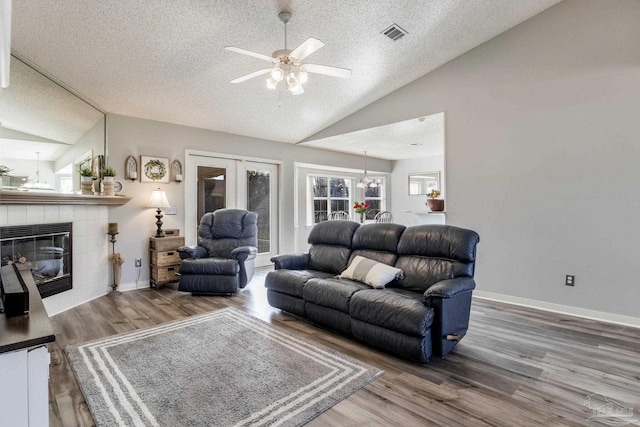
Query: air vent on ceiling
[(395, 32)]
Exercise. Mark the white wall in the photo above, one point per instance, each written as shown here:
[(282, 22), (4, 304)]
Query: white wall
[(542, 152), (400, 198), (132, 136)]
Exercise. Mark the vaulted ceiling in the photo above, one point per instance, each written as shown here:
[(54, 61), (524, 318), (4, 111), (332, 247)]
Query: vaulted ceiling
[(164, 59)]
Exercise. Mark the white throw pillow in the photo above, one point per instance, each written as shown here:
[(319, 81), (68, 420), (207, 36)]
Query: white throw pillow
[(370, 272)]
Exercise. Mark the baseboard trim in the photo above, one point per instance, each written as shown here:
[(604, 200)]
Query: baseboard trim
[(601, 316), (122, 287), (126, 287)]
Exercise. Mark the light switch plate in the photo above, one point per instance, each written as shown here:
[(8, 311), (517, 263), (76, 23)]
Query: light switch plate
[(171, 211)]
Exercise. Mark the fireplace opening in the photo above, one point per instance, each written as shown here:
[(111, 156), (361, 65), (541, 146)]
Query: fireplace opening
[(43, 249)]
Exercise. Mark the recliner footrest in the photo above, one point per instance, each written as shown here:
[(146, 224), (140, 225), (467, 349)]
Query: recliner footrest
[(212, 266)]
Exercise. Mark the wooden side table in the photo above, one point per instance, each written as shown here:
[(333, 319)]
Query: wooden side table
[(164, 260)]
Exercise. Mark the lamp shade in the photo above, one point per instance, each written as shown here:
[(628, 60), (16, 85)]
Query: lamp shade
[(158, 200)]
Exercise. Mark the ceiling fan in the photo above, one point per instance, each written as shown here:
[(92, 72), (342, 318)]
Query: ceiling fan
[(287, 64)]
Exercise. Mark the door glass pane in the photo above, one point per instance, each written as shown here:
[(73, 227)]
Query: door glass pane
[(212, 189), (258, 201)]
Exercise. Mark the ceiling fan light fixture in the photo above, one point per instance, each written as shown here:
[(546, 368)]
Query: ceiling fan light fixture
[(277, 74), (271, 83), (301, 76), (361, 184), (294, 85), (287, 64)]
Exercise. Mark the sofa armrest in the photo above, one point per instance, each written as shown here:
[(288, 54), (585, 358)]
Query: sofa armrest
[(194, 252), (291, 261), (449, 288), (243, 253), (451, 303)]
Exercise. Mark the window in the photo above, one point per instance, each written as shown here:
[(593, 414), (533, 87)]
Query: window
[(329, 194), (374, 196)]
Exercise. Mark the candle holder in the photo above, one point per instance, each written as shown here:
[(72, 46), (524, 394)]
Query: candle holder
[(113, 231), (131, 168), (176, 171)]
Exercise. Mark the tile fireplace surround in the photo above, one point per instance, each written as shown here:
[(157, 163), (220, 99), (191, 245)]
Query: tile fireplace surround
[(90, 247)]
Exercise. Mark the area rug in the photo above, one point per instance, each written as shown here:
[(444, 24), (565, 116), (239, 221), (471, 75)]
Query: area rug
[(224, 368)]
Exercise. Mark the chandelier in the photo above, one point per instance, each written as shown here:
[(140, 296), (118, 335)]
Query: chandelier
[(366, 182)]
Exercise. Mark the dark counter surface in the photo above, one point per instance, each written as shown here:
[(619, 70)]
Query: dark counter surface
[(18, 332)]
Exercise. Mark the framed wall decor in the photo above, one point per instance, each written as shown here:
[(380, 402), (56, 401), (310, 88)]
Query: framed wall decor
[(154, 169)]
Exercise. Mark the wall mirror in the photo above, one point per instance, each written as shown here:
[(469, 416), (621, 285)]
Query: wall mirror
[(421, 183), (44, 130)]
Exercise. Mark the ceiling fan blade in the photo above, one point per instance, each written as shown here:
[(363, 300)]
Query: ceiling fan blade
[(329, 71), (307, 47), (249, 53), (250, 76)]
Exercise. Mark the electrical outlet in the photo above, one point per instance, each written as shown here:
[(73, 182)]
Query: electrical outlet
[(138, 262), (570, 280)]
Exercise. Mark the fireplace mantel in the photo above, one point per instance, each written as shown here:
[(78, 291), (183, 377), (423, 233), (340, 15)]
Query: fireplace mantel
[(36, 198)]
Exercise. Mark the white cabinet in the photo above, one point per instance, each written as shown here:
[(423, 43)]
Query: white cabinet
[(24, 387)]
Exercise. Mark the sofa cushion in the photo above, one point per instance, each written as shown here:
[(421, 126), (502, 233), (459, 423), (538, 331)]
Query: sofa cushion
[(421, 272), (394, 309), (428, 254), (291, 282), (377, 241), (335, 233), (333, 293), (439, 241), (332, 259), (370, 272), (331, 245)]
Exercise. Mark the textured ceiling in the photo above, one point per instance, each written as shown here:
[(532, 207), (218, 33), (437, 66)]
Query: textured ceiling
[(164, 59)]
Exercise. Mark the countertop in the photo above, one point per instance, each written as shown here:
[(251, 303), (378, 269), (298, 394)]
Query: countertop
[(29, 330)]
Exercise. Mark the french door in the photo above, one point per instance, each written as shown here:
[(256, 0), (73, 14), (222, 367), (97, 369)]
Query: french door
[(214, 183)]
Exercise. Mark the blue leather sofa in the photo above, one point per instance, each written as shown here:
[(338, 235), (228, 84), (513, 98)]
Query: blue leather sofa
[(426, 312)]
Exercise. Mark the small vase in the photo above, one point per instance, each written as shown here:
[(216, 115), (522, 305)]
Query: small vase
[(86, 185), (362, 218)]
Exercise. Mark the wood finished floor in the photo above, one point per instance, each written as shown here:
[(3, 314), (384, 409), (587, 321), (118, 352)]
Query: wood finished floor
[(516, 366)]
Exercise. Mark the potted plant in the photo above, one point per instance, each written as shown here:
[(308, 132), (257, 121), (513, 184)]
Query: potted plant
[(435, 204), (86, 174), (361, 209), (108, 173), (86, 180)]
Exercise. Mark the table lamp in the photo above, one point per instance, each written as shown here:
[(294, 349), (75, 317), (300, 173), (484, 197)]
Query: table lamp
[(158, 200)]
